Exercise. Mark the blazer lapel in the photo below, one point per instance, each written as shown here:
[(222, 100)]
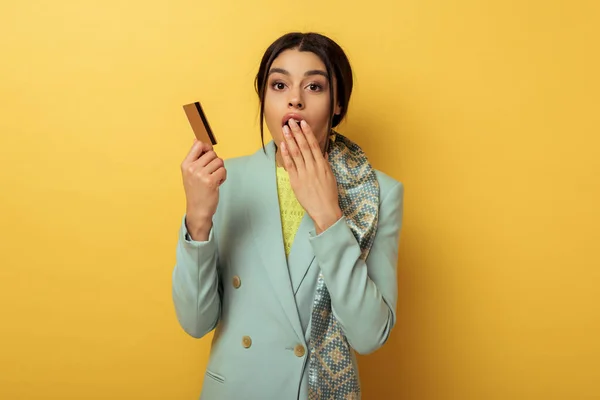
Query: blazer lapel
[(265, 220), (301, 254)]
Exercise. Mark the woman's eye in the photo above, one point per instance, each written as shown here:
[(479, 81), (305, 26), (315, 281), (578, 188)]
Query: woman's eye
[(314, 87), (278, 85)]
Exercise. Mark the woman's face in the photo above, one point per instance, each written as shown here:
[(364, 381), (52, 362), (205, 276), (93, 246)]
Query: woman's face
[(297, 87)]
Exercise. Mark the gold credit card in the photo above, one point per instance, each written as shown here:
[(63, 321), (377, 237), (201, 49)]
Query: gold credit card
[(199, 123)]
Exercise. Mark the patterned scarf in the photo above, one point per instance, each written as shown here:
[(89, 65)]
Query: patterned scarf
[(332, 374)]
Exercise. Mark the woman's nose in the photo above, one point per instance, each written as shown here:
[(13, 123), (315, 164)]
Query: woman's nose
[(296, 101)]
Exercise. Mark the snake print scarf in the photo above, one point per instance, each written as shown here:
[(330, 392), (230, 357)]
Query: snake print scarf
[(332, 374)]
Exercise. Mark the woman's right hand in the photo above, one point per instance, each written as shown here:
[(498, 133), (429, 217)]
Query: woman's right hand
[(203, 172)]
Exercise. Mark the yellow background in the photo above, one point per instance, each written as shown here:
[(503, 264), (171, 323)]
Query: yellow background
[(487, 111)]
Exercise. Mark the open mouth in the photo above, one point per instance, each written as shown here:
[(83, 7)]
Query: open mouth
[(285, 121), (288, 121)]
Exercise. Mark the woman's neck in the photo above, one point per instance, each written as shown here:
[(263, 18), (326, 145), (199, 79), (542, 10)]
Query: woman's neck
[(278, 158)]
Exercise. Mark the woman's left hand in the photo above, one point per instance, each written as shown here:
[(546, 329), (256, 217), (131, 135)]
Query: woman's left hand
[(310, 174)]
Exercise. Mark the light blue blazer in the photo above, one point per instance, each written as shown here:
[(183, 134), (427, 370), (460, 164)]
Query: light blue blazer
[(240, 283)]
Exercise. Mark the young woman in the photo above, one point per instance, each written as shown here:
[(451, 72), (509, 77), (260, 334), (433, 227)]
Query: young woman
[(290, 253)]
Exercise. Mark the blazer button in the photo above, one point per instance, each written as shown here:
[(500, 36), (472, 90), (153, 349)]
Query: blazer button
[(246, 341), (236, 281), (299, 350)]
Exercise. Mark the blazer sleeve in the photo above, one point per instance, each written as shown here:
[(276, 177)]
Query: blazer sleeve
[(363, 294), (196, 287)]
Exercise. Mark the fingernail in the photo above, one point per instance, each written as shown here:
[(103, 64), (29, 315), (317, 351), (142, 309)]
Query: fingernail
[(303, 123), (286, 129)]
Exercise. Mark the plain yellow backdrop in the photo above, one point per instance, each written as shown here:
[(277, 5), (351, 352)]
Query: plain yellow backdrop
[(488, 111)]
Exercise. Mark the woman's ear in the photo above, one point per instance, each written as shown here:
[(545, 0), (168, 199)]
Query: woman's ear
[(338, 109)]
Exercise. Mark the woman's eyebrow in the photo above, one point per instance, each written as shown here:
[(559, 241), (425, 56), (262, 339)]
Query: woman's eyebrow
[(307, 73), (316, 72)]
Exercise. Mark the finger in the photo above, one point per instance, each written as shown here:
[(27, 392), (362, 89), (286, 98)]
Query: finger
[(214, 165), (197, 149), (292, 148), (312, 141), (288, 162), (206, 158), (302, 143), (220, 175)]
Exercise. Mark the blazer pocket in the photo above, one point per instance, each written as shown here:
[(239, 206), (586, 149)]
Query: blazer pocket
[(215, 377)]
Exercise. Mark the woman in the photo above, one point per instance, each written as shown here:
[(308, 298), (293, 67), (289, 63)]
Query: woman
[(290, 253)]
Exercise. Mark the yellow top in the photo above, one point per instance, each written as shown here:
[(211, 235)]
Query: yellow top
[(290, 209)]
